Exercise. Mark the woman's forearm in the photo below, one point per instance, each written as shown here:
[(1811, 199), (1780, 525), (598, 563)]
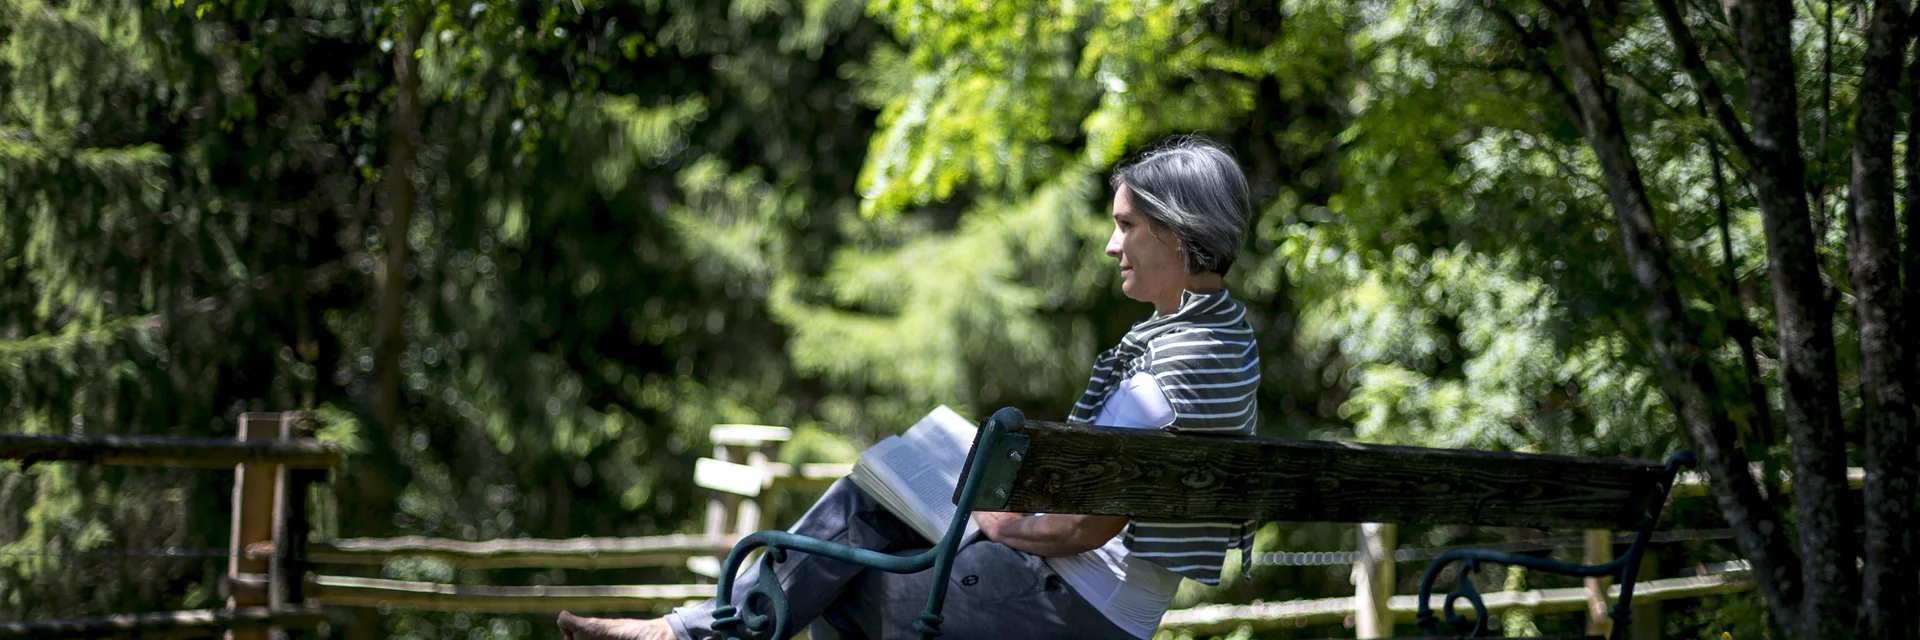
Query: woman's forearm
[(1055, 534)]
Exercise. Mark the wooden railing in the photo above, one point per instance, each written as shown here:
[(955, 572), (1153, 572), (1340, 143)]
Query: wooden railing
[(149, 451), (198, 623), (275, 461), (341, 591), (575, 553)]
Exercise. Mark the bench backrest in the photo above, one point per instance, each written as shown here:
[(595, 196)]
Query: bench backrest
[(1064, 468)]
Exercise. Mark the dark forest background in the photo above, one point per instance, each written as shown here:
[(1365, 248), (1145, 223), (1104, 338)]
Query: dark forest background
[(521, 255)]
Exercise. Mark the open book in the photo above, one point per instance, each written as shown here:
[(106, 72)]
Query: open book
[(913, 474)]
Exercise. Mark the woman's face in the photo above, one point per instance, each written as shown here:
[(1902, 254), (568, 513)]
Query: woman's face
[(1152, 268)]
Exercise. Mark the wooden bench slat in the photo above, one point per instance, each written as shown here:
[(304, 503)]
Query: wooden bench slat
[(1153, 474)]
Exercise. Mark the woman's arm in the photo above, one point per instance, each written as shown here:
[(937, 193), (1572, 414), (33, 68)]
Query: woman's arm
[(1138, 403), (1051, 535)]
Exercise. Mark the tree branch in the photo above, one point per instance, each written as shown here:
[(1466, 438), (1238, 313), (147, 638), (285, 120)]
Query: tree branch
[(1652, 92), (1719, 21), (1743, 331), (1530, 45), (1696, 67)]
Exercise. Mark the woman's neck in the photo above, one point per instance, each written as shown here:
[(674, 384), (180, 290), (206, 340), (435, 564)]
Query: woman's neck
[(1204, 283)]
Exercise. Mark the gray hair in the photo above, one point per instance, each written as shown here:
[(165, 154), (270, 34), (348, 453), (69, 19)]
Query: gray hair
[(1194, 188)]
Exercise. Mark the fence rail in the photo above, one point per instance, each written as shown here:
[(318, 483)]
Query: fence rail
[(372, 592), (1264, 615), (156, 451), (575, 553), (1693, 484), (342, 591), (200, 622)]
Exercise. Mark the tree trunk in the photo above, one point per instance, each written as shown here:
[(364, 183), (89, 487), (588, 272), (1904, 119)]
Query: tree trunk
[(1910, 260), (1819, 186), (1743, 332), (1803, 318), (1688, 379), (1873, 263), (389, 337)]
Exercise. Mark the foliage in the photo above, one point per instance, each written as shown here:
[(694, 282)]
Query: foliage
[(636, 220)]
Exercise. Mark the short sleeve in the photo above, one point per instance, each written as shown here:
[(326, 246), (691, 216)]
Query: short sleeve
[(1209, 378), (1137, 403)]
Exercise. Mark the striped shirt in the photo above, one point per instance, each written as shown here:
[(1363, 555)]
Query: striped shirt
[(1206, 362)]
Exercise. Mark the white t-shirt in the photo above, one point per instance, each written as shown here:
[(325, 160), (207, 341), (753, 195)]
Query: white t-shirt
[(1134, 593)]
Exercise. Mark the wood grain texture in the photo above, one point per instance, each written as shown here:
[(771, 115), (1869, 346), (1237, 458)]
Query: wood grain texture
[(153, 451), (199, 622), (1141, 473)]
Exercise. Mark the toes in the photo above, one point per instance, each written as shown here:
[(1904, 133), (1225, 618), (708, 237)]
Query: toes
[(571, 624)]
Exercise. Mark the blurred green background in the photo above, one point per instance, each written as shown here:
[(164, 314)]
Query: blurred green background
[(615, 224)]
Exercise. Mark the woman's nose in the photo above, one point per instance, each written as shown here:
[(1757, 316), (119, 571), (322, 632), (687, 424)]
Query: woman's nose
[(1113, 245)]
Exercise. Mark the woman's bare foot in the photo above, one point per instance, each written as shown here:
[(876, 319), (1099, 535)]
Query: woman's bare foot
[(578, 628)]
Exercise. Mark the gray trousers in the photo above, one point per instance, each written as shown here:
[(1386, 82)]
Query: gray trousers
[(994, 592)]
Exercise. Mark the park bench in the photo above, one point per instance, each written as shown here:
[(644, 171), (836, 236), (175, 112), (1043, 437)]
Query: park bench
[(1050, 467)]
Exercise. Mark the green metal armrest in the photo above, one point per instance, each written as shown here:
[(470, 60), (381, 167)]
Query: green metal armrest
[(764, 609)]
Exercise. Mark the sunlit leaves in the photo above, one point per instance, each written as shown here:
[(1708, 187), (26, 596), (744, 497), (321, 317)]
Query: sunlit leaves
[(958, 317)]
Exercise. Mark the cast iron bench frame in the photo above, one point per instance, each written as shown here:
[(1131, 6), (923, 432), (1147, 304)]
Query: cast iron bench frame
[(1029, 467)]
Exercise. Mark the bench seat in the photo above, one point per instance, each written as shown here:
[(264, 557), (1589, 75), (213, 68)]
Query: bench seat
[(1053, 467), (1035, 466)]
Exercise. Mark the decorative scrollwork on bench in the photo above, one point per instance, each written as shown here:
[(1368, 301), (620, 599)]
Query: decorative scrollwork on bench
[(763, 609), (1471, 559)]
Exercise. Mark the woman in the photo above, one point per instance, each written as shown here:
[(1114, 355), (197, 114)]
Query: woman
[(1180, 214)]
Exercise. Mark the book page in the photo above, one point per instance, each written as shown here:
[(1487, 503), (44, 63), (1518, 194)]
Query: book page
[(917, 481), (914, 474), (944, 437)]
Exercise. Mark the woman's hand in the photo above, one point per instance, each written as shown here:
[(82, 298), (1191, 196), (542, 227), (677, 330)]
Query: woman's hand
[(991, 521), (1052, 535)]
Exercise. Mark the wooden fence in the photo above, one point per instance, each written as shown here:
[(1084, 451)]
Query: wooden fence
[(273, 584), (275, 460)]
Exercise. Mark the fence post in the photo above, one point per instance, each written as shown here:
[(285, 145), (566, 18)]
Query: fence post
[(253, 493), (741, 469), (721, 512), (1598, 550), (1646, 615), (286, 574), (1374, 579), (759, 455)]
